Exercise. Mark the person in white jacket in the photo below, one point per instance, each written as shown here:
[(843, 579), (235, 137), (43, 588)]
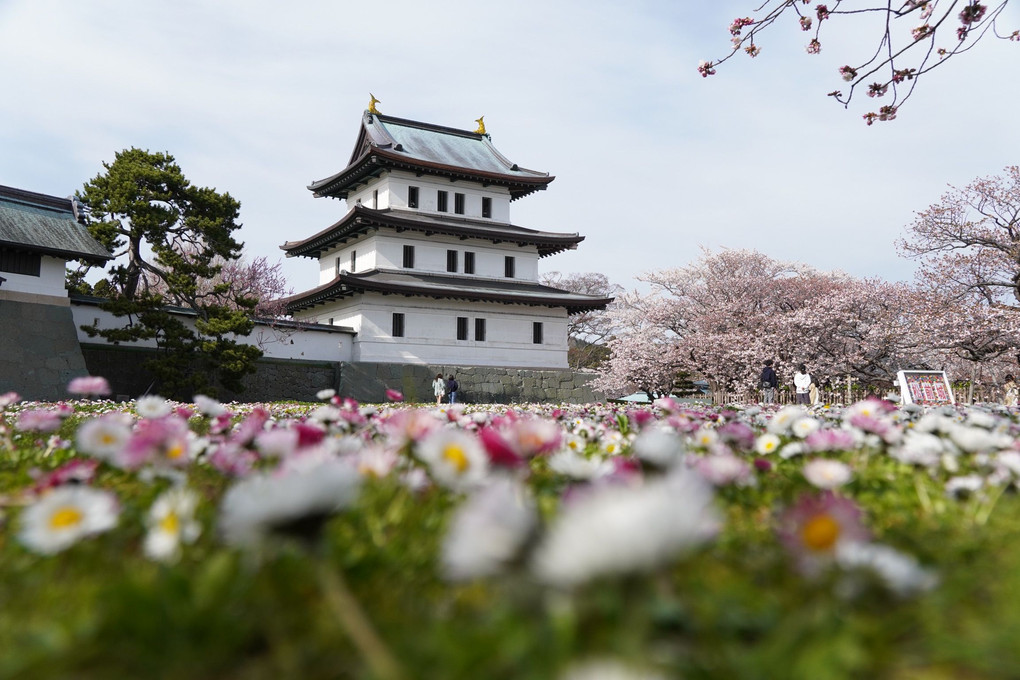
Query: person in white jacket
[(802, 383), (439, 387)]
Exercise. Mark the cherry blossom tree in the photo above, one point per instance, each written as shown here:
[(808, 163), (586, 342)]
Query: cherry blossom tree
[(644, 354), (722, 316), (589, 331), (861, 329), (717, 318), (910, 39), (969, 243), (968, 281), (240, 278)]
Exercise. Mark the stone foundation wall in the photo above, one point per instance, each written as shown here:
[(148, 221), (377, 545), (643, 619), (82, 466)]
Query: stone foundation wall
[(284, 380), (274, 379), (39, 351), (478, 384)]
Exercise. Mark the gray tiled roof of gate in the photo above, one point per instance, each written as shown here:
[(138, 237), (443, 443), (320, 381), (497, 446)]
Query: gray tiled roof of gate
[(45, 224)]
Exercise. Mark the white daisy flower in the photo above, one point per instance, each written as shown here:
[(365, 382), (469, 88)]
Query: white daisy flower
[(375, 461), (325, 395), (919, 448), (617, 529), (152, 406), (964, 485), (286, 503), (208, 406), (900, 573), (612, 444), (705, 436), (171, 522), (1010, 460), (659, 446), (977, 439), (65, 515), (977, 418), (790, 450), (802, 427), (781, 422), (104, 437), (488, 530), (278, 443), (455, 458), (866, 407), (827, 474), (767, 443), (575, 443), (325, 414), (607, 670), (575, 466)]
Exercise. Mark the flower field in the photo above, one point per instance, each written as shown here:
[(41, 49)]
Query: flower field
[(344, 540)]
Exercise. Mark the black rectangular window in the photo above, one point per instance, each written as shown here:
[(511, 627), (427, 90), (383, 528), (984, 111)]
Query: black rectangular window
[(408, 257), (398, 325), (354, 260), (536, 332), (441, 201), (458, 204), (337, 272), (508, 267), (375, 199), (451, 260), (462, 328), (486, 207), (17, 262), (412, 197), (480, 330), (469, 263)]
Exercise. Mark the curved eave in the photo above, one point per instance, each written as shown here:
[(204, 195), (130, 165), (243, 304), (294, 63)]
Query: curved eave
[(91, 258), (361, 219), (347, 285), (373, 163)]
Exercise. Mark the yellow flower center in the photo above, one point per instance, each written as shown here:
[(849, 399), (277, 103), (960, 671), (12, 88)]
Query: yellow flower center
[(170, 523), (820, 533), (454, 455), (106, 439), (175, 451), (65, 518)]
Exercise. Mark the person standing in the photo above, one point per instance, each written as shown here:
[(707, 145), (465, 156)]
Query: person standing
[(769, 382), (451, 388), (439, 387), (802, 384), (1012, 391)]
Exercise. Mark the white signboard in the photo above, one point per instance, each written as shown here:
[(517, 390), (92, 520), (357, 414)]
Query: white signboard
[(927, 388)]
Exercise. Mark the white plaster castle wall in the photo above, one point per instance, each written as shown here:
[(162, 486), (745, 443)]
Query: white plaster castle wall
[(392, 187), (430, 332), (367, 258), (385, 251), (275, 342), (49, 282)]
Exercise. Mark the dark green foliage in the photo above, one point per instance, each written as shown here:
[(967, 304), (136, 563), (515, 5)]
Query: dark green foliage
[(143, 204)]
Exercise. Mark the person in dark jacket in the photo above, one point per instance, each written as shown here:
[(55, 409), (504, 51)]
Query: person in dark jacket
[(451, 388), (768, 382)]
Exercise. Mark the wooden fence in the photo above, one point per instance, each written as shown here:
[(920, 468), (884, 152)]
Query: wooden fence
[(843, 397)]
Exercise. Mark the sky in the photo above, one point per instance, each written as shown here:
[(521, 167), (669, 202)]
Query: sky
[(652, 161)]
